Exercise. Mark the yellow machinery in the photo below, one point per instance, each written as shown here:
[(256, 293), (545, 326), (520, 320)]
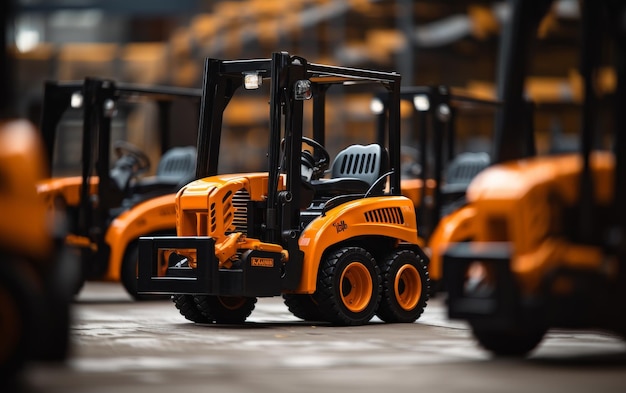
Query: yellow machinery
[(546, 242), (339, 248), (112, 203), (435, 176)]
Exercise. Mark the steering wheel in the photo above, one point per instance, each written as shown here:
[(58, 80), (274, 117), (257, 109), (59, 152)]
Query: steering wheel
[(139, 160), (316, 163)]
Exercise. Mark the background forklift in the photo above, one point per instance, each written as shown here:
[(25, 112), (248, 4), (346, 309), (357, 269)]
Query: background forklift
[(339, 249), (547, 242), (110, 205), (436, 174), (34, 270)]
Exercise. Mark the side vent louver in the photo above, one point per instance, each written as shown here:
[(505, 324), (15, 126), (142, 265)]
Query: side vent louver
[(390, 215), (240, 203)]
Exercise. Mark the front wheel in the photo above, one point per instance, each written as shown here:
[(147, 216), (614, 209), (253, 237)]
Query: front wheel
[(186, 305), (225, 309), (405, 287), (511, 343), (303, 306), (348, 287)]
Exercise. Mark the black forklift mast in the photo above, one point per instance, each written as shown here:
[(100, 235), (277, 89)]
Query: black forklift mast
[(615, 12), (597, 17), (511, 142), (436, 122), (98, 99), (97, 113), (57, 99), (599, 21), (619, 134), (7, 88), (591, 53), (220, 81), (223, 77), (289, 200)]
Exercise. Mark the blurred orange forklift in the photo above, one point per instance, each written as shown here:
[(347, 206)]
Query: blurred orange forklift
[(111, 203), (435, 176), (34, 271), (340, 248), (546, 240)]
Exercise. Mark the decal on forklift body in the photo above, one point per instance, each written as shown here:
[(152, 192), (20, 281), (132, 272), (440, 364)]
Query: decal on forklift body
[(168, 211), (262, 262), (340, 226)]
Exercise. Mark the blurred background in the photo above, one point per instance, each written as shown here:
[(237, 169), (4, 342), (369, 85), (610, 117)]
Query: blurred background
[(160, 42)]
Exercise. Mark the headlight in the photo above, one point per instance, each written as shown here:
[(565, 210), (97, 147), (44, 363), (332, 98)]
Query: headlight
[(376, 106), (252, 81), (421, 102)]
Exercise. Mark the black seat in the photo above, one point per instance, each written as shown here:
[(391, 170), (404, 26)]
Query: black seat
[(353, 171), (176, 164), (462, 170), (459, 175), (176, 168)]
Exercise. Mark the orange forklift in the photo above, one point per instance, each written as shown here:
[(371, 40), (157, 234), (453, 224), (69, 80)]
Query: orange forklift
[(112, 203), (435, 176), (336, 239), (546, 245), (35, 273)]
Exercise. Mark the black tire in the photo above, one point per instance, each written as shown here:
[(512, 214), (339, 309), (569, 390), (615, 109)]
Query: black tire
[(509, 343), (225, 309), (81, 276), (405, 287), (59, 279), (128, 274), (186, 305), (18, 318), (303, 307), (348, 286)]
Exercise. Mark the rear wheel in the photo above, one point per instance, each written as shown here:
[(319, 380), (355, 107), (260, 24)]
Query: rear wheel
[(348, 288), (225, 309), (188, 309), (514, 342), (405, 288), (303, 307)]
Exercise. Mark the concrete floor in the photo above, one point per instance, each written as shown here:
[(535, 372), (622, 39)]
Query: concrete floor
[(123, 346)]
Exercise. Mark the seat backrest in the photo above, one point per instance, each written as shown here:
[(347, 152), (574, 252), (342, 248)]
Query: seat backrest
[(366, 163), (465, 167), (177, 163)]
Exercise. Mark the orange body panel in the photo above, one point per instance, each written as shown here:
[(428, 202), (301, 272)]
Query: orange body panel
[(348, 221), (455, 227), (66, 187), (200, 205), (154, 215), (412, 189), (522, 203), (24, 226)]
